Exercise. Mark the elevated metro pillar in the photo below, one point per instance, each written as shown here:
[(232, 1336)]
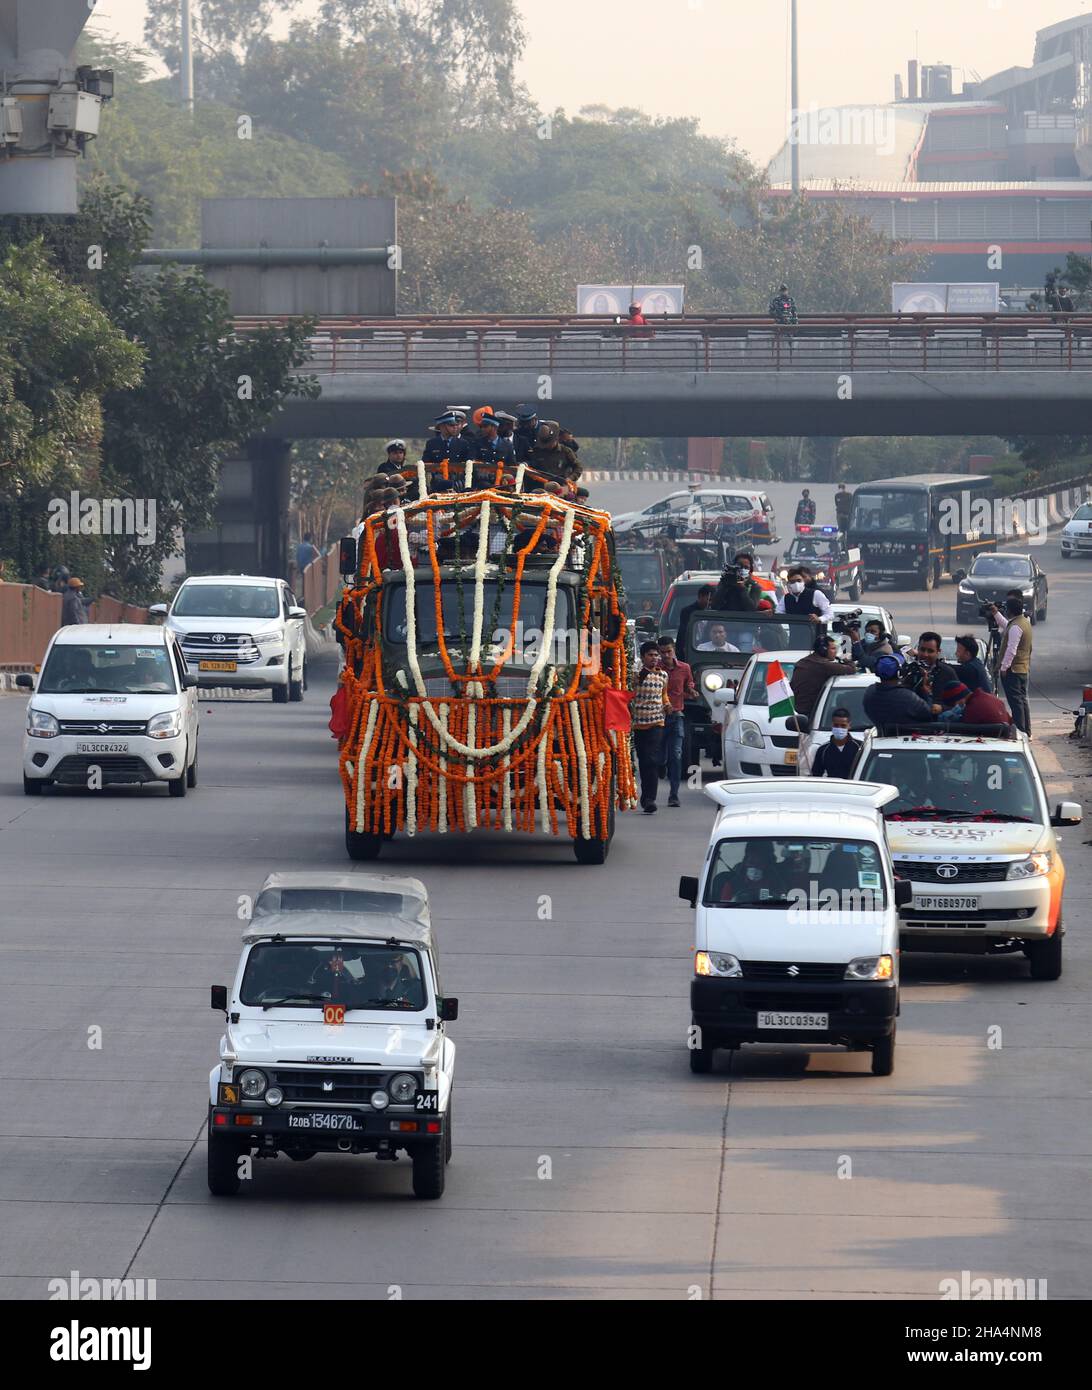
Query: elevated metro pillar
[(250, 533)]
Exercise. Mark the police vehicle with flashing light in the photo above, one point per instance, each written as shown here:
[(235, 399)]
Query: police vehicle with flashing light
[(833, 564)]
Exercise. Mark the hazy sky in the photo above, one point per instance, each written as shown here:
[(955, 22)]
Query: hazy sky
[(725, 61)]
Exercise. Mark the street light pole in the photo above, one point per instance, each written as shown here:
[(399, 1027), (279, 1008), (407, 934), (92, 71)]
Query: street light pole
[(794, 100), (187, 56)]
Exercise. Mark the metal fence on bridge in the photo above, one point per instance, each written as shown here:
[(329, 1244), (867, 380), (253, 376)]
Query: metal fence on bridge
[(701, 345)]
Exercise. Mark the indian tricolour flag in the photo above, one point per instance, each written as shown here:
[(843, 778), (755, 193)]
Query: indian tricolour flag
[(778, 692)]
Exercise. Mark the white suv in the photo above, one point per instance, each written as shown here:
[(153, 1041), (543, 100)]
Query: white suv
[(972, 830), (243, 632)]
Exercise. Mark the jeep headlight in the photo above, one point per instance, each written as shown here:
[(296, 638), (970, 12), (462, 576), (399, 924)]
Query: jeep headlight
[(712, 681), (717, 963), (402, 1087), (1033, 866), (750, 735), (167, 725), (871, 968), (41, 725), (252, 1083)]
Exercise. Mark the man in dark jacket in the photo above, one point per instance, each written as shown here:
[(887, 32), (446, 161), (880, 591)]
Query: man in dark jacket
[(704, 600), (73, 609), (805, 509), (734, 592), (448, 442), (489, 446), (843, 506), (523, 436), (970, 668), (783, 306), (927, 673), (836, 758), (813, 672), (890, 702)]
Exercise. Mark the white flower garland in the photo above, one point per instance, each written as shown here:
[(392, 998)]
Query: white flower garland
[(411, 775), (540, 776), (480, 563), (582, 768), (468, 475), (362, 765), (506, 795), (422, 482), (520, 472), (525, 718)]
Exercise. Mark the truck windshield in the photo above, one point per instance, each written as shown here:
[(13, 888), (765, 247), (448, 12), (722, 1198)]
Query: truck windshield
[(532, 610), (762, 871), (956, 784), (93, 669), (226, 601), (641, 574), (890, 511), (742, 633), (303, 975)]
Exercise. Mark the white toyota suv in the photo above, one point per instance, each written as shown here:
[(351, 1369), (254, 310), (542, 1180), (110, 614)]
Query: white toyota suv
[(972, 829), (242, 632)]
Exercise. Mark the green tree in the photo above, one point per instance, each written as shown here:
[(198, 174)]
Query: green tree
[(203, 389), (59, 355)]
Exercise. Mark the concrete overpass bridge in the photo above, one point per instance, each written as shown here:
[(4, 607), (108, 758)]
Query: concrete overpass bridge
[(709, 376)]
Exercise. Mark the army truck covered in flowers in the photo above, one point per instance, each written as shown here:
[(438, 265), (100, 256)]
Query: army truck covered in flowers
[(485, 663)]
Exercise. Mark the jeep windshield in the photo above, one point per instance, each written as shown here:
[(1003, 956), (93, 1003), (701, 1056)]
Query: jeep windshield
[(496, 613), (104, 670), (226, 601), (303, 975), (839, 875), (728, 635), (982, 784), (642, 573)]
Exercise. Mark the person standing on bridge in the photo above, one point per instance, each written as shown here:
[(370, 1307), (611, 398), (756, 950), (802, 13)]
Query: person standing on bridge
[(782, 306)]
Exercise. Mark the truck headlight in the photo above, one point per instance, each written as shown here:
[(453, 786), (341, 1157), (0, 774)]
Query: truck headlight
[(252, 1083), (871, 968), (750, 735), (41, 725), (712, 681), (402, 1087), (274, 1096), (167, 725), (380, 1100), (1032, 867), (717, 963)]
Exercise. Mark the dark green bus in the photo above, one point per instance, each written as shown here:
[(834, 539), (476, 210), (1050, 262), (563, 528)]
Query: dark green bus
[(913, 531)]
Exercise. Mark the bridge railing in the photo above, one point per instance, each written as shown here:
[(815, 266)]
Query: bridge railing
[(702, 345)]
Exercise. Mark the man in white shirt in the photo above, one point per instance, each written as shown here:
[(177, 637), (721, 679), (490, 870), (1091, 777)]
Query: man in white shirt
[(718, 640), (804, 598)]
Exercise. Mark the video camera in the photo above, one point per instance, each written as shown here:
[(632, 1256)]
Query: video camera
[(844, 621), (985, 610)]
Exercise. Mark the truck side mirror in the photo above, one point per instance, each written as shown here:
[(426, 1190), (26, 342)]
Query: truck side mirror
[(1067, 813), (449, 1010), (189, 681), (904, 892), (688, 889), (347, 555), (24, 681), (219, 998)]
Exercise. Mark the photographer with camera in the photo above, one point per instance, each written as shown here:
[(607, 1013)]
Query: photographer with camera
[(814, 670), (803, 597), (1015, 664), (734, 592), (874, 644), (927, 673), (744, 562)]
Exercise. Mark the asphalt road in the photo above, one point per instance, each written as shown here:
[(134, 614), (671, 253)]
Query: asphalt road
[(589, 1162)]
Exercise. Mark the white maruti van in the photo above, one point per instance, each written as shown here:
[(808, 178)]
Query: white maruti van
[(797, 921), (113, 703)]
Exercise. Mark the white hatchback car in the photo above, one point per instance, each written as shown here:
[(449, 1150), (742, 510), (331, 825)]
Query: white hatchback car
[(112, 704), (242, 632), (754, 744)]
